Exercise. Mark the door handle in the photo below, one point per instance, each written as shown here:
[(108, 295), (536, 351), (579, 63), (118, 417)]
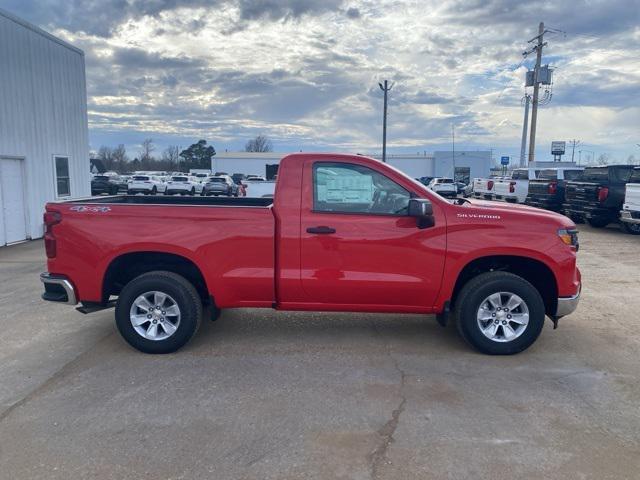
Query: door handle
[(322, 230)]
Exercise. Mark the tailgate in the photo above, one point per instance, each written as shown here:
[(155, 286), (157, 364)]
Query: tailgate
[(577, 192), (539, 187), (632, 196)]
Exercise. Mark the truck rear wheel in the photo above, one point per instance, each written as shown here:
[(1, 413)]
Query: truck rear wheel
[(599, 222), (158, 312), (499, 313)]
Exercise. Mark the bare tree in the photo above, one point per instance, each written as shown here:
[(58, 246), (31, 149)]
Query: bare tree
[(603, 159), (259, 144), (146, 150), (171, 157)]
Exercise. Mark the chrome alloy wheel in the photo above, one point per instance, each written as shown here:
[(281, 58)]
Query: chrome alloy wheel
[(503, 317), (155, 315)]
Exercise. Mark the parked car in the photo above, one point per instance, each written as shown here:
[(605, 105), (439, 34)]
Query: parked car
[(630, 214), (221, 185), (146, 184), (598, 195), (180, 185), (547, 191), (199, 179), (443, 186), (424, 180), (461, 186), (105, 184), (255, 178), (343, 233)]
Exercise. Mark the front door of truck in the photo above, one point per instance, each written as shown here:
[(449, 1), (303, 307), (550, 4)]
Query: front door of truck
[(359, 246)]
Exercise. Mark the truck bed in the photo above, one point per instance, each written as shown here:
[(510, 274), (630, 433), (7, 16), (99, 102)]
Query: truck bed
[(177, 200)]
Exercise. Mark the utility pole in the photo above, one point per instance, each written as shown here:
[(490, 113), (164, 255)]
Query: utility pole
[(574, 143), (385, 89), (525, 125), (536, 88), (453, 151)]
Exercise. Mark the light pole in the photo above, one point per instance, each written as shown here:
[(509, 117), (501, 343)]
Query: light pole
[(385, 89)]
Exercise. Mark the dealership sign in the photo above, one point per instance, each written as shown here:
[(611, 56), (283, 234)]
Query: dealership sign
[(558, 148)]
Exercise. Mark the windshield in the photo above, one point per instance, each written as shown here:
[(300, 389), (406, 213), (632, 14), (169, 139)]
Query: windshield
[(217, 180), (635, 177), (179, 179), (141, 178), (445, 180)]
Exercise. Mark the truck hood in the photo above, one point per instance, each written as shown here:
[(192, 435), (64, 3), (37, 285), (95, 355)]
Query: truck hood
[(480, 208)]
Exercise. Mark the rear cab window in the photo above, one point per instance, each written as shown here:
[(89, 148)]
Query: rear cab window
[(520, 175)]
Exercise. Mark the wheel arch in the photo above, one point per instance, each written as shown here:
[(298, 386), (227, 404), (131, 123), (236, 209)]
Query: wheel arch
[(535, 271), (127, 266)]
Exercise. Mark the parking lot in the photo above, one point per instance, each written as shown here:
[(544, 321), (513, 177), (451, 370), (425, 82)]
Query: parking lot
[(263, 394)]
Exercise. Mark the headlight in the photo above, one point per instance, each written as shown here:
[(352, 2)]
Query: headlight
[(569, 237)]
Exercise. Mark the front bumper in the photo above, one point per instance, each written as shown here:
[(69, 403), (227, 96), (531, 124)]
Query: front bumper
[(567, 305), (58, 288)]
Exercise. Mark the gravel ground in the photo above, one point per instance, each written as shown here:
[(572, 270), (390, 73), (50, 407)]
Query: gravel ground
[(269, 395)]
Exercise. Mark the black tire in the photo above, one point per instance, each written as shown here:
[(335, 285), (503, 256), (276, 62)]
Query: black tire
[(631, 228), (180, 290), (599, 222), (154, 191), (476, 291), (577, 219), (193, 191)]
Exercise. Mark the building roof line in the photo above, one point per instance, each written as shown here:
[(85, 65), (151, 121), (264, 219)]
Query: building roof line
[(40, 31)]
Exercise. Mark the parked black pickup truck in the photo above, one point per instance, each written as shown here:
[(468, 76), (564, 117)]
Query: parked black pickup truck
[(598, 195), (547, 190)]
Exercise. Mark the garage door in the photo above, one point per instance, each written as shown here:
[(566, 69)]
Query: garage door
[(13, 225)]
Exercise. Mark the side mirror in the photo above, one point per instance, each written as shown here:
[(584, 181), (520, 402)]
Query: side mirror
[(422, 210)]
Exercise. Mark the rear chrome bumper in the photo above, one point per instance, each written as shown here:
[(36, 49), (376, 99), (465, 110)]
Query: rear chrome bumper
[(58, 288), (567, 305), (627, 216)]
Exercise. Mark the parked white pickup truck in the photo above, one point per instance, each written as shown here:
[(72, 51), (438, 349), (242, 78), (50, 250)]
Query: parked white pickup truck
[(515, 188), (483, 187), (630, 214)]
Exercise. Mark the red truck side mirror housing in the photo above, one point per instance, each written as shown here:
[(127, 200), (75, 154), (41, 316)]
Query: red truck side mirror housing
[(422, 210)]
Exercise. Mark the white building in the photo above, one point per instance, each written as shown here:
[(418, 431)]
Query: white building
[(44, 147), (467, 165)]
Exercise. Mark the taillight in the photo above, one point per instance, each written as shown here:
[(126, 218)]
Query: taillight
[(512, 187), (490, 185), (50, 219), (553, 188), (603, 193)]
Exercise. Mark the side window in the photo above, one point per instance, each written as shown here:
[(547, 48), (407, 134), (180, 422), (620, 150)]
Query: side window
[(63, 182), (351, 188)]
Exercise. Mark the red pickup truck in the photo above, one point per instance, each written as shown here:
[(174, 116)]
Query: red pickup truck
[(342, 233)]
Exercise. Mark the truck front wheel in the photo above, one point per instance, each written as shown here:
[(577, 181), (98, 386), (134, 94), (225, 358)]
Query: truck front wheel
[(158, 312), (499, 313)]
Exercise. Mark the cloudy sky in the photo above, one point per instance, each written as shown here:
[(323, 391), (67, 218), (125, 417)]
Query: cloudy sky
[(306, 72)]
